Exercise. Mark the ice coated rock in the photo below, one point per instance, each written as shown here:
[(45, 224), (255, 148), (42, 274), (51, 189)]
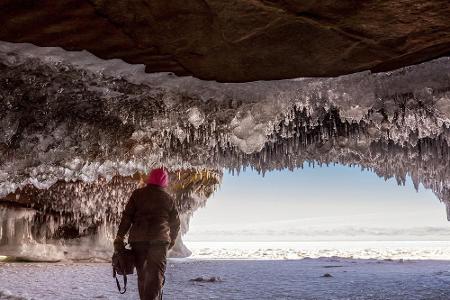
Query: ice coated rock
[(195, 117)]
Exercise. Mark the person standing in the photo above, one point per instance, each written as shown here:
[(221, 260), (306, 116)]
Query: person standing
[(152, 219)]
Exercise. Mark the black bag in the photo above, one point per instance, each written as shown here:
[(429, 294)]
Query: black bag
[(123, 264)]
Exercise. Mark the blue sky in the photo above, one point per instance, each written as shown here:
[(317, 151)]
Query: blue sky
[(320, 198)]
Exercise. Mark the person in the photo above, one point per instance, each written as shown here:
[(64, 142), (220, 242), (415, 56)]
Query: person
[(152, 218)]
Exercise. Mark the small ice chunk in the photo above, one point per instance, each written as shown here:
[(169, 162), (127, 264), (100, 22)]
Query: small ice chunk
[(196, 117)]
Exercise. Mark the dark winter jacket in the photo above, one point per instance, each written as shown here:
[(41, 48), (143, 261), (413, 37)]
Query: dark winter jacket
[(152, 215)]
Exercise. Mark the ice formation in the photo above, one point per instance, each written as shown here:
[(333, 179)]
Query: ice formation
[(72, 117), (78, 220)]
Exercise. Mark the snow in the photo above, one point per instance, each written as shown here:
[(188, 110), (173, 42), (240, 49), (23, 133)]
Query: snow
[(239, 279)]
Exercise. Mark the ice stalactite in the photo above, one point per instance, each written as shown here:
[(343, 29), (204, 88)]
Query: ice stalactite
[(70, 220), (72, 117), (78, 220)]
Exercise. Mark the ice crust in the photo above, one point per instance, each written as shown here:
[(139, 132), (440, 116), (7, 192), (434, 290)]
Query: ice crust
[(72, 116)]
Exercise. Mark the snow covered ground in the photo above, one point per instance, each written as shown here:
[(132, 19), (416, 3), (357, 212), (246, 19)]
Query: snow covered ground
[(240, 279)]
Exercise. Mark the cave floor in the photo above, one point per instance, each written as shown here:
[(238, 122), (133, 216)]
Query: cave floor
[(239, 279)]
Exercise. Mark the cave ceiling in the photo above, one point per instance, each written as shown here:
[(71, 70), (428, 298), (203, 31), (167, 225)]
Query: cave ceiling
[(237, 41)]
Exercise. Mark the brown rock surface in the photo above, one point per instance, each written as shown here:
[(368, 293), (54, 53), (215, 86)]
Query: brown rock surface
[(240, 40)]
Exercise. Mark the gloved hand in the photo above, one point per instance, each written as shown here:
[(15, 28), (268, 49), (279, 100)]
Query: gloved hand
[(119, 245)]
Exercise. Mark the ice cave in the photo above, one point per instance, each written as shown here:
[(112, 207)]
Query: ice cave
[(82, 121), (79, 132), (96, 93)]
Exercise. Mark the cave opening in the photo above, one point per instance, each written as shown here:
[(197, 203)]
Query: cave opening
[(333, 210)]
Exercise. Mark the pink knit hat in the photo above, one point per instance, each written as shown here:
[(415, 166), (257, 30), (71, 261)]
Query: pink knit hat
[(158, 177)]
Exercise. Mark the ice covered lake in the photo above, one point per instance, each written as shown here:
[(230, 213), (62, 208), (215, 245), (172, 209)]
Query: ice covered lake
[(239, 279), (257, 270)]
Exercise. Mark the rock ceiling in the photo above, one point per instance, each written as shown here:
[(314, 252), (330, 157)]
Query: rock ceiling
[(237, 41)]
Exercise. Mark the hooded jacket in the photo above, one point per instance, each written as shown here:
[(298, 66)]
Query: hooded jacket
[(152, 215)]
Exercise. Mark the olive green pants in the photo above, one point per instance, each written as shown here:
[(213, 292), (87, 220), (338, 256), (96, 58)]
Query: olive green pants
[(150, 261)]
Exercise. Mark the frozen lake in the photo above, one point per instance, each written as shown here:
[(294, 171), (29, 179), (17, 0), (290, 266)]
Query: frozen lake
[(240, 279), (412, 250)]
